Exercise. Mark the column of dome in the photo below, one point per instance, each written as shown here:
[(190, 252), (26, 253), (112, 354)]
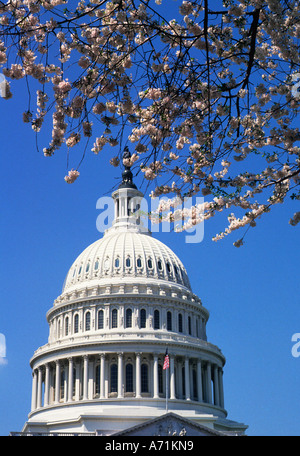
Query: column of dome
[(106, 376)]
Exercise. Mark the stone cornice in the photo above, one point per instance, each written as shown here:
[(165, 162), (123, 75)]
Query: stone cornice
[(113, 342), (130, 298)]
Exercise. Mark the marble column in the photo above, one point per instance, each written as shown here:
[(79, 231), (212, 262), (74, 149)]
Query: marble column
[(39, 388), (199, 380), (187, 379), (102, 376), (208, 383), (70, 380), (172, 378), (120, 375), (138, 375), (216, 386), (220, 373), (57, 381), (85, 377), (155, 377), (34, 390), (47, 385)]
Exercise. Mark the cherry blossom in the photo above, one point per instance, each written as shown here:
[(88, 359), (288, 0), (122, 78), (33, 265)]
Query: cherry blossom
[(204, 96)]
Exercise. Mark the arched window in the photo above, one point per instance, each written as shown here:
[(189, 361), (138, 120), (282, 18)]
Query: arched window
[(168, 267), (156, 319), (96, 266), (128, 262), (129, 378), (180, 329), (88, 321), (114, 318), (169, 321), (100, 319), (144, 378), (139, 263), (76, 323), (113, 378), (128, 320), (159, 264), (150, 265), (87, 267), (117, 262), (143, 318), (66, 326)]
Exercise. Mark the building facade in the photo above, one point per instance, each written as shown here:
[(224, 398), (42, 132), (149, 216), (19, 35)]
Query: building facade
[(126, 300)]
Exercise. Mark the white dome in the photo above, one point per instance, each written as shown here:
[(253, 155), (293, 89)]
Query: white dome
[(125, 256)]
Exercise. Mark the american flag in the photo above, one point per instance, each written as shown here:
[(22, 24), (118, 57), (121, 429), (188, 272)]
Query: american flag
[(166, 361)]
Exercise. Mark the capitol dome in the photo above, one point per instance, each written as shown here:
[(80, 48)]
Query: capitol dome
[(126, 302), (129, 257)]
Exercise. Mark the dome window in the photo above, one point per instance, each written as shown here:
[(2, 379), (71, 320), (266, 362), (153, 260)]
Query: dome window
[(117, 263), (129, 378), (139, 263), (150, 265), (114, 318), (180, 323), (100, 319), (114, 378), (169, 321), (80, 269), (96, 266), (156, 319), (159, 264), (88, 321), (87, 267), (74, 272), (144, 378), (168, 267), (76, 323), (128, 262), (66, 326), (143, 319), (128, 320)]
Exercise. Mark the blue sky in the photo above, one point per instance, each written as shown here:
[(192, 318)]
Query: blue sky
[(252, 293)]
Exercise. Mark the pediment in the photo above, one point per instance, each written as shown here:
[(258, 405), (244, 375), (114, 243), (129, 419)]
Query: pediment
[(170, 425)]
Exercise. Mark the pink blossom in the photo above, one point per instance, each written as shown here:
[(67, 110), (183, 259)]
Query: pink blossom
[(72, 176)]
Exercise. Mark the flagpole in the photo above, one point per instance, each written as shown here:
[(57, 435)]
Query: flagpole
[(166, 366), (167, 389)]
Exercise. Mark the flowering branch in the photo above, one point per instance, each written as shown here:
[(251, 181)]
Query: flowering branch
[(204, 96)]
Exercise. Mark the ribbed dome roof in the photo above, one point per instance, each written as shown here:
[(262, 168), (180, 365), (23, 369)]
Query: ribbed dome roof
[(127, 253), (127, 256)]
